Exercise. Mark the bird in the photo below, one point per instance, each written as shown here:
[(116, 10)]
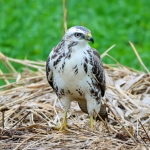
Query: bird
[(75, 72)]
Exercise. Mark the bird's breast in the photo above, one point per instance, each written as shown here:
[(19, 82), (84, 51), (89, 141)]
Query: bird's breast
[(72, 73)]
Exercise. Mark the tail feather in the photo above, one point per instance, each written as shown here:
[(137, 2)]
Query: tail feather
[(103, 112)]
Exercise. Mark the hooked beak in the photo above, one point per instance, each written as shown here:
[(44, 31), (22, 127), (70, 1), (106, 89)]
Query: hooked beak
[(89, 38)]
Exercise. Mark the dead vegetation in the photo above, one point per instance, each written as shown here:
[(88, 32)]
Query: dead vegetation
[(30, 111)]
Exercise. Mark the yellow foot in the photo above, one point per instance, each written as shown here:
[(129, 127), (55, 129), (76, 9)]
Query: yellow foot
[(61, 128), (64, 123)]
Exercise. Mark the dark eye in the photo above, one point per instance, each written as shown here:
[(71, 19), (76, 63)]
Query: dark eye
[(77, 34)]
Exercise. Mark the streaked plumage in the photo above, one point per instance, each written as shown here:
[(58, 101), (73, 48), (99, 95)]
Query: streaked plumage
[(75, 71)]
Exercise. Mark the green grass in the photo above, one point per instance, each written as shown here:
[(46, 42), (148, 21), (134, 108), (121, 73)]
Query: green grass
[(29, 29)]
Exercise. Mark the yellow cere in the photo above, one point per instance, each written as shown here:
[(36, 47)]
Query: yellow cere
[(89, 35)]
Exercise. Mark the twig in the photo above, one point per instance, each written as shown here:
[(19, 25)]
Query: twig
[(24, 63), (105, 124), (11, 66), (144, 142), (4, 77), (3, 119), (24, 142), (142, 139), (21, 119), (137, 55), (65, 15), (3, 109), (121, 123), (35, 142), (105, 53), (144, 130)]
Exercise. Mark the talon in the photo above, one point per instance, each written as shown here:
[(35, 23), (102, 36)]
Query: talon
[(63, 127)]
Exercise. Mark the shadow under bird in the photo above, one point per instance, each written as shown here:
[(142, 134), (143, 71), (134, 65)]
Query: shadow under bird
[(75, 72)]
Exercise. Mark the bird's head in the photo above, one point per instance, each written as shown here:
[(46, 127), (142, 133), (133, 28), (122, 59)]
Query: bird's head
[(78, 34)]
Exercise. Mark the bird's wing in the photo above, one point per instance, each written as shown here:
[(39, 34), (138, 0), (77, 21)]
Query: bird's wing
[(98, 71), (49, 73), (99, 75), (56, 52)]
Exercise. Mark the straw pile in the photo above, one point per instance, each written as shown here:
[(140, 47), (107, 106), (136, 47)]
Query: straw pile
[(30, 110)]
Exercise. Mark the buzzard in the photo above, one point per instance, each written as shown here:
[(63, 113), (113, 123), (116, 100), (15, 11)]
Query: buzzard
[(75, 72)]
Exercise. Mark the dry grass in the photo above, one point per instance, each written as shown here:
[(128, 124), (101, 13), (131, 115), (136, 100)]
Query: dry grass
[(30, 110)]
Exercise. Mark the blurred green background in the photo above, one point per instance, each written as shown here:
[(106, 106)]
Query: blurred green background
[(31, 28)]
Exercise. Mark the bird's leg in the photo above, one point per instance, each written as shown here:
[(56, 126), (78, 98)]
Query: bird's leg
[(64, 123), (91, 122), (66, 104)]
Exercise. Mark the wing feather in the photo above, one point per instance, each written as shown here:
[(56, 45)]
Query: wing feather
[(49, 73), (55, 52), (98, 71)]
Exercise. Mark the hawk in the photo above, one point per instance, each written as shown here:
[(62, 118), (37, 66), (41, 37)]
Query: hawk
[(75, 72)]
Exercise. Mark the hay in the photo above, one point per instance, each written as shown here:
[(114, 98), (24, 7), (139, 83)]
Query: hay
[(30, 109)]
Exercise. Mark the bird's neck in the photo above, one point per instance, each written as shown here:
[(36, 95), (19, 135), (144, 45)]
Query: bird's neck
[(77, 46)]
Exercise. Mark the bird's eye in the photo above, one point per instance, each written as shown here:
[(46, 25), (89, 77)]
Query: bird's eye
[(77, 34)]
